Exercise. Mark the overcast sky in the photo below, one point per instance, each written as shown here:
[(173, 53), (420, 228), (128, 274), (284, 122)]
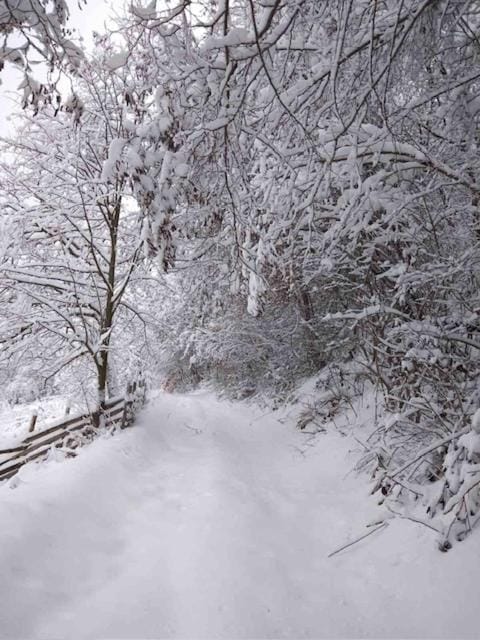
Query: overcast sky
[(90, 18)]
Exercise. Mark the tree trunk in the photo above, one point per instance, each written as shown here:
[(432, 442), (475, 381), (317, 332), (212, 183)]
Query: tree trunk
[(109, 311)]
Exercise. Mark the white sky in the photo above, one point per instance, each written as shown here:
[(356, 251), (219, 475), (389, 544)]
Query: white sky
[(90, 18)]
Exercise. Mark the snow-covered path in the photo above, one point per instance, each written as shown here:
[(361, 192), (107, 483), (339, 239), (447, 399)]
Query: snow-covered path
[(209, 520)]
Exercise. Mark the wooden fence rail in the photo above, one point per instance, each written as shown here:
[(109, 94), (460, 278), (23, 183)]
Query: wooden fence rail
[(74, 431)]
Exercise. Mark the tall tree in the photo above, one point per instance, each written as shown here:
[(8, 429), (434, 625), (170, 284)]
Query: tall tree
[(77, 242)]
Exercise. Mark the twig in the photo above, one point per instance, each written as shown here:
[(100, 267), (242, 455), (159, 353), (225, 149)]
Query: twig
[(194, 429), (412, 519), (424, 452), (365, 535)]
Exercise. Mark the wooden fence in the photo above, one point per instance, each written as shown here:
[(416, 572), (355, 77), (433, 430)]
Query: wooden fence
[(73, 431)]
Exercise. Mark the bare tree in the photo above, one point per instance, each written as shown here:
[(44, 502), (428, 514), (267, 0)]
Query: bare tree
[(75, 245)]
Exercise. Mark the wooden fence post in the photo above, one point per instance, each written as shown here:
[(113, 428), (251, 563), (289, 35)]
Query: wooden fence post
[(33, 422), (96, 419), (129, 408)]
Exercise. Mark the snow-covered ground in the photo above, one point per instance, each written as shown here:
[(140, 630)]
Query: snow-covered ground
[(15, 421), (212, 520)]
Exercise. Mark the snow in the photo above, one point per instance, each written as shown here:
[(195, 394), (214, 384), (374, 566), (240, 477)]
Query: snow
[(181, 170), (233, 38), (144, 12), (476, 421), (115, 151), (215, 520), (15, 421), (471, 442), (117, 60)]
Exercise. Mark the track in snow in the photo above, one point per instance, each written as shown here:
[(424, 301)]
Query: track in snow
[(211, 520)]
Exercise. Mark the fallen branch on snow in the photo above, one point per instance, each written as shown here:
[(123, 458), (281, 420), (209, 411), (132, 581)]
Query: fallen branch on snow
[(365, 535)]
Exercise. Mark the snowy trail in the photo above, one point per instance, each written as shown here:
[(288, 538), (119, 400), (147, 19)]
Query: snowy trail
[(209, 520)]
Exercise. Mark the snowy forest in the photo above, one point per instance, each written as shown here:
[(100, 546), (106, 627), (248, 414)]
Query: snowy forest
[(247, 196)]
